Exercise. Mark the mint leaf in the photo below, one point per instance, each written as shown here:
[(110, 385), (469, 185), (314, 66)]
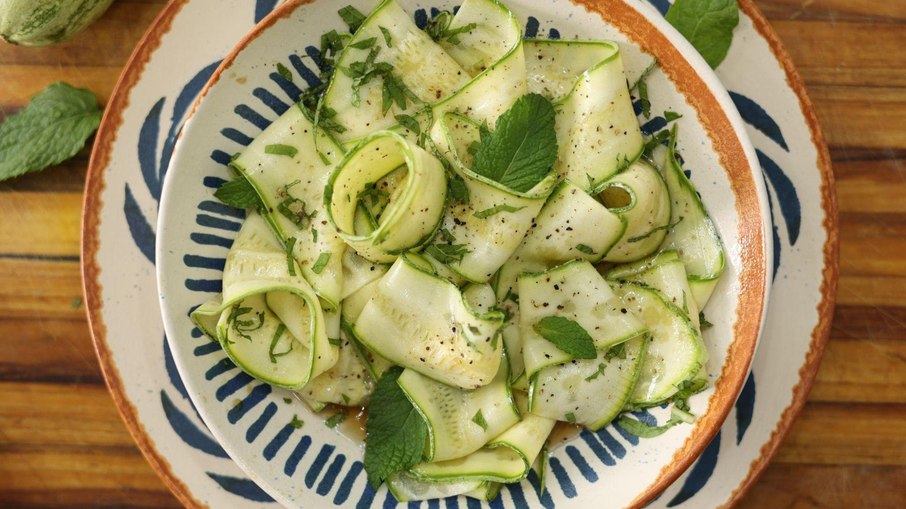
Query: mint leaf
[(522, 151), (334, 420), (479, 420), (238, 193), (395, 433), (567, 335), (707, 24), (352, 17), (447, 253), (278, 149), (52, 128)]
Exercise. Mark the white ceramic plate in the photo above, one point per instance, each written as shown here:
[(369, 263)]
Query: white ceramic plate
[(121, 200)]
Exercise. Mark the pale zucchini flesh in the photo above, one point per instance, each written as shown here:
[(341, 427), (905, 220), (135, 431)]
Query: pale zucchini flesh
[(291, 187), (460, 421), (647, 215), (675, 350), (257, 270), (575, 291), (590, 392), (421, 321)]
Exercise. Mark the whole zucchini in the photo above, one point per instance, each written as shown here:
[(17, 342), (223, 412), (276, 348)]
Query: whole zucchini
[(45, 22)]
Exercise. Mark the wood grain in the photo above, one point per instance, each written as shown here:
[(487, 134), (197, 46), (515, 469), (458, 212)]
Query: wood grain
[(62, 444)]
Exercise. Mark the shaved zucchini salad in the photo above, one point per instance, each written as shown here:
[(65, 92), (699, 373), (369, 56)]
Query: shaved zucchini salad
[(465, 231)]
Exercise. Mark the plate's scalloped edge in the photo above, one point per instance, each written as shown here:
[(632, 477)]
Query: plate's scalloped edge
[(831, 251), (90, 242)]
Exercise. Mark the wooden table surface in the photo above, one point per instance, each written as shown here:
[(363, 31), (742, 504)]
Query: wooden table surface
[(62, 443)]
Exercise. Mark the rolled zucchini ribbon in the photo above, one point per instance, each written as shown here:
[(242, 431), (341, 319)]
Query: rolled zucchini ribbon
[(268, 319), (415, 206)]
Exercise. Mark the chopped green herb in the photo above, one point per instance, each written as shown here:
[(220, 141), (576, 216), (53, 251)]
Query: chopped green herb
[(707, 24), (641, 429), (290, 261), (567, 335), (294, 210), (352, 17), (283, 71), (511, 296), (243, 327), (657, 139), (447, 253), (395, 433), (479, 420), (334, 341), (570, 417), (239, 193), (585, 249), (278, 149), (521, 152), (704, 323), (394, 92), (274, 340), (320, 263), (670, 116), (686, 390), (481, 214), (439, 28), (448, 235), (644, 102), (596, 374), (52, 128), (314, 235), (287, 400), (457, 189), (296, 422), (335, 419), (387, 38), (364, 43), (345, 398), (409, 123), (616, 352), (76, 302)]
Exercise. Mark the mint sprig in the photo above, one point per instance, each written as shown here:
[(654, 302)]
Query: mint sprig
[(522, 150), (52, 128), (395, 433), (239, 193), (707, 24), (568, 336)]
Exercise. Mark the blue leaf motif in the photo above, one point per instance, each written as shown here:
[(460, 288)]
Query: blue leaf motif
[(187, 431), (263, 8), (184, 101), (141, 231), (242, 487), (775, 232), (787, 198), (699, 474), (756, 116), (147, 149), (745, 407)]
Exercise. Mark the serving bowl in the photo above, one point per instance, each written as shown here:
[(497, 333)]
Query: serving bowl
[(313, 465)]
